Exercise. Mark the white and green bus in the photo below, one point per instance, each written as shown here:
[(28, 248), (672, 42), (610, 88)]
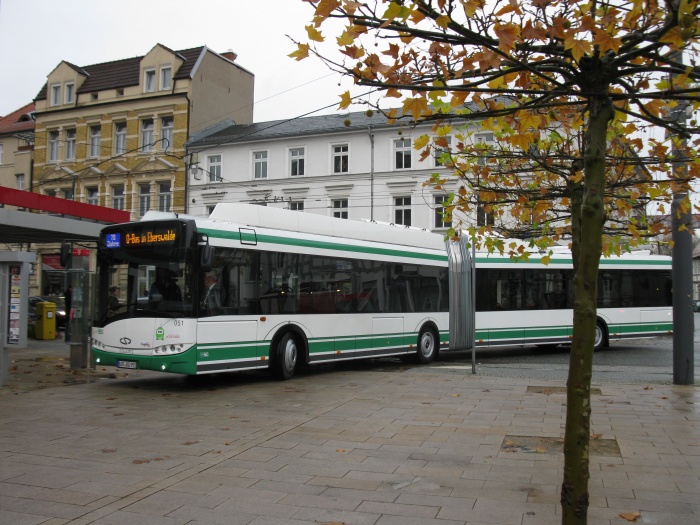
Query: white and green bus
[(291, 289), (532, 303)]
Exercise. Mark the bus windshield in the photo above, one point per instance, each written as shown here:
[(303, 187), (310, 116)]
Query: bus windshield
[(151, 279)]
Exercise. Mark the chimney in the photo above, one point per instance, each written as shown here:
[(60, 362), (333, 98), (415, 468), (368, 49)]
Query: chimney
[(229, 55)]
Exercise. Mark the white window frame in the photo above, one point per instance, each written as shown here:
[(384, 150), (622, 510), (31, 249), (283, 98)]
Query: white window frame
[(165, 196), (296, 205), (147, 134), (166, 78), (440, 150), (166, 133), (484, 138), (54, 137), (438, 203), (402, 154), (260, 163), (119, 138), (56, 94), (70, 143), (95, 133), (118, 198), (214, 167), (340, 208), (149, 80), (337, 153), (297, 161), (400, 209), (144, 199), (19, 178), (92, 196), (69, 92)]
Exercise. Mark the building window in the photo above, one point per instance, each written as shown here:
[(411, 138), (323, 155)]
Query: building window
[(483, 143), (68, 194), (402, 210), (56, 94), (296, 205), (53, 146), (166, 133), (149, 80), (442, 151), (166, 77), (69, 92), (296, 156), (164, 196), (118, 197), (20, 181), (340, 208), (210, 209), (147, 134), (92, 196), (50, 193), (402, 154), (70, 144), (144, 199), (95, 137), (484, 216), (260, 164), (1, 151), (440, 221), (120, 138), (341, 158), (214, 168)]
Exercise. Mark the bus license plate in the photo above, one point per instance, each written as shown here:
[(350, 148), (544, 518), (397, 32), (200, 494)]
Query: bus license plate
[(126, 364)]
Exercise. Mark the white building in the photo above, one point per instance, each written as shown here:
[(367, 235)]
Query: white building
[(349, 166)]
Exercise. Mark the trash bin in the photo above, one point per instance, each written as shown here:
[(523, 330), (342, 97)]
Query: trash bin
[(45, 320)]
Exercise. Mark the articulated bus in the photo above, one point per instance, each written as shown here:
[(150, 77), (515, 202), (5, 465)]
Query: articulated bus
[(530, 303), (253, 287), (290, 289)]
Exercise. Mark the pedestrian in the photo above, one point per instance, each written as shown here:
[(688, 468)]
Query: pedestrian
[(68, 298)]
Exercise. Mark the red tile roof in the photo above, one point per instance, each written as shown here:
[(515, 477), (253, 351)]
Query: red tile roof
[(19, 120), (123, 73)]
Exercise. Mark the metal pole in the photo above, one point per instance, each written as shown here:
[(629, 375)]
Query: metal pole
[(682, 255), (371, 173), (473, 313)]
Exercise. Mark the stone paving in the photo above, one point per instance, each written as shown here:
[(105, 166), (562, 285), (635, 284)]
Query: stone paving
[(372, 444)]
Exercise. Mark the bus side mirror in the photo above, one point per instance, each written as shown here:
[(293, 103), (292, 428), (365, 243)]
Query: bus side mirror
[(207, 254), (66, 253)]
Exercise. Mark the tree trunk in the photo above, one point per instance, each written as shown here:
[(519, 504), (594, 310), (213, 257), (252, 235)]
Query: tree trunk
[(574, 490)]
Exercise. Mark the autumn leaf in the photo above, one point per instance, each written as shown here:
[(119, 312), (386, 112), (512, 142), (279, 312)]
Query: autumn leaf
[(578, 48), (421, 141), (630, 516), (326, 7), (301, 53), (314, 34), (606, 42), (507, 35), (345, 100), (417, 107)]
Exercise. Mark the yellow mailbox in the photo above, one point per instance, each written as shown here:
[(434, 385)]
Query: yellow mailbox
[(45, 320)]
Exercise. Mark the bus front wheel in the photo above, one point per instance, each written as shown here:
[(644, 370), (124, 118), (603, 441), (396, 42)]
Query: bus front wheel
[(427, 345), (287, 354), (600, 336)]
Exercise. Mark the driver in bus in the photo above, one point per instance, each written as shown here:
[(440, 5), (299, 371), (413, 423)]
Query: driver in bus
[(165, 286), (212, 294)]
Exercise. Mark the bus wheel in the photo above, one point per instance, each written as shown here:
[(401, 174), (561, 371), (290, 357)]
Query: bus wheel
[(427, 346), (600, 338), (287, 353)]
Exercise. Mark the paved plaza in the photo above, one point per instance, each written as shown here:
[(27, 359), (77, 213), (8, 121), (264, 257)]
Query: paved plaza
[(366, 444)]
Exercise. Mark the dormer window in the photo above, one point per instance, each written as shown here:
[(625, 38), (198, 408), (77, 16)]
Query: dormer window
[(166, 78), (149, 80), (56, 95), (69, 92)]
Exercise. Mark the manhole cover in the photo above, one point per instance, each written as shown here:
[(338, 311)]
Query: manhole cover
[(552, 445), (557, 390)]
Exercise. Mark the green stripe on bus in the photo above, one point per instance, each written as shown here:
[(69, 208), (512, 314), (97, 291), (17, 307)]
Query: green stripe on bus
[(569, 262), (305, 243)]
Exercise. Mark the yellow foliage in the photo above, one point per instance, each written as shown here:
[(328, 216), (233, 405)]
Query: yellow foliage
[(314, 34), (421, 142), (301, 53), (417, 107), (345, 100)]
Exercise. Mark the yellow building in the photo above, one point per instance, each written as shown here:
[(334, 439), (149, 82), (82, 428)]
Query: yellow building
[(113, 134)]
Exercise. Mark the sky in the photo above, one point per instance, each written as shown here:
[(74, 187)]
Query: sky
[(36, 35)]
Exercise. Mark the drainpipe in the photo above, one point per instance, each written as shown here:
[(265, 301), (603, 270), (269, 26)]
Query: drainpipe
[(371, 172)]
